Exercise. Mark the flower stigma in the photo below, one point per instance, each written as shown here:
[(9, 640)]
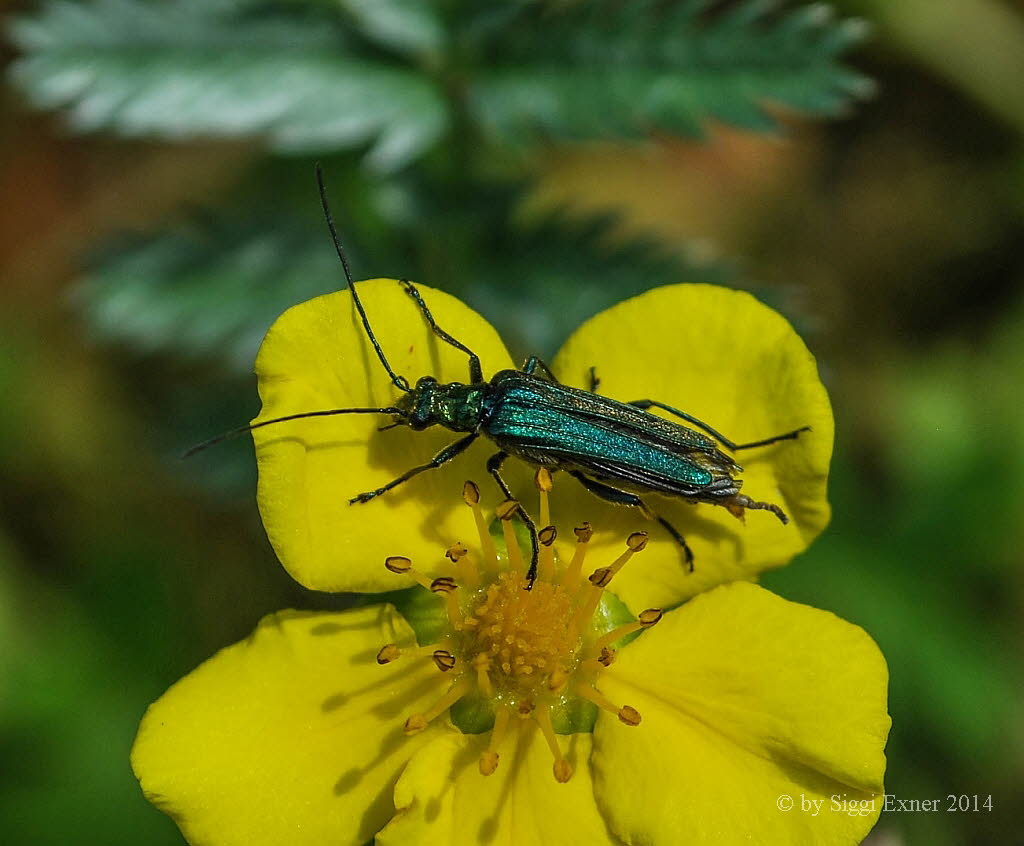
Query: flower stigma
[(524, 652)]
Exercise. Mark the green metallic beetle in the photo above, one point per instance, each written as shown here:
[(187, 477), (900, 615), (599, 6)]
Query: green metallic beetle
[(618, 451)]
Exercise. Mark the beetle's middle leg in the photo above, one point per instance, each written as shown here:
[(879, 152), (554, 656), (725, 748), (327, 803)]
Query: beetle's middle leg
[(494, 468), (718, 436), (620, 497), (443, 457)]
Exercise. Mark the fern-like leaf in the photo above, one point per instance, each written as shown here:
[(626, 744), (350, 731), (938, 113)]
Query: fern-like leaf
[(610, 68), (222, 68)]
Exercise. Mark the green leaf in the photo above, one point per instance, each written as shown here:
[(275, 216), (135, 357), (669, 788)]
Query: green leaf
[(216, 68), (625, 69), (410, 26), (208, 290)]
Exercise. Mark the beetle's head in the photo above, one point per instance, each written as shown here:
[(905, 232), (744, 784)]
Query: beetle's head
[(418, 405)]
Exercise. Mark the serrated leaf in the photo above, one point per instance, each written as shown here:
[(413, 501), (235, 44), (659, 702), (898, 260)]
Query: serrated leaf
[(214, 68), (410, 26), (208, 292), (626, 69)]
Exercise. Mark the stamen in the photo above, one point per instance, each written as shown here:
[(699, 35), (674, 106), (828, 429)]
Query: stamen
[(468, 574), (418, 722), (471, 496), (571, 575), (600, 578), (403, 567), (482, 663), (445, 587), (489, 758), (562, 768), (505, 512), (627, 713), (546, 564), (542, 479), (646, 619), (388, 653)]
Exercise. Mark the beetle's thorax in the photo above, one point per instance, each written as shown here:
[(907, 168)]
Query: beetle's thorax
[(453, 405)]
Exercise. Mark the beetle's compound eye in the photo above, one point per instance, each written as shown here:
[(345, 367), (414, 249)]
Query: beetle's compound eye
[(426, 380)]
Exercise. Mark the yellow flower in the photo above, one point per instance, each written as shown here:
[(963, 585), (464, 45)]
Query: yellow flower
[(717, 354), (329, 727)]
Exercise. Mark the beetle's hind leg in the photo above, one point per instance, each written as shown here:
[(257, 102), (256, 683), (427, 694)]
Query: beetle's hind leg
[(620, 497), (646, 404), (494, 468), (534, 363)]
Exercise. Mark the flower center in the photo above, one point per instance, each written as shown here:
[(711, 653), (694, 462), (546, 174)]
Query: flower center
[(529, 650), (520, 636)]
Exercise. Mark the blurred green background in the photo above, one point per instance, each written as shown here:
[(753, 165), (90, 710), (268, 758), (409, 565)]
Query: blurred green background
[(541, 160)]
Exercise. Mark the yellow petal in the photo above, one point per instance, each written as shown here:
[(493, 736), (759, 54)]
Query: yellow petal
[(291, 736), (442, 798), (730, 361), (746, 698), (316, 356)]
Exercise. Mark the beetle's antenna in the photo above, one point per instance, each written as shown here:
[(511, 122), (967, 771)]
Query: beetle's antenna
[(241, 430), (399, 382)]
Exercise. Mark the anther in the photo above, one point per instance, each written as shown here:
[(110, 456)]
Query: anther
[(524, 709), (562, 770), (507, 509), (542, 479), (443, 584), (570, 576), (398, 564), (444, 660), (607, 656), (456, 552), (649, 617), (415, 724), (629, 715), (488, 762), (388, 653), (601, 577), (547, 535), (470, 493), (637, 541)]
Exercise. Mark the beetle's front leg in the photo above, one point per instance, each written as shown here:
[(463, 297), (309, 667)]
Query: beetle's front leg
[(443, 457), (494, 468), (620, 497)]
